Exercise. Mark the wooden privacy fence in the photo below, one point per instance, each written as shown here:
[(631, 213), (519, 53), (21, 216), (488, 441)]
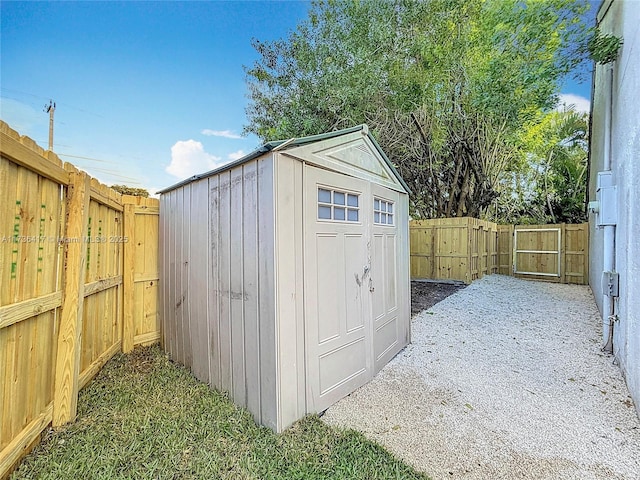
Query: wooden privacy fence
[(553, 253), (462, 249), (78, 283), (465, 249)]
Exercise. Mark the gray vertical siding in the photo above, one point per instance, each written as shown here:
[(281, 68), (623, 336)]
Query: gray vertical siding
[(232, 266), (266, 294), (250, 252), (224, 279), (213, 309), (218, 283), (184, 300), (237, 295), (167, 269), (162, 252), (199, 279), (404, 276), (289, 293)]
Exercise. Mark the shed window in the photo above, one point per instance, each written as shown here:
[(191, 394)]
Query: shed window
[(324, 212), (324, 196), (338, 205), (382, 212)]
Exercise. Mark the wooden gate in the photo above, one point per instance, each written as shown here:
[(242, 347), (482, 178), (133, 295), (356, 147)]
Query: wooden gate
[(553, 253), (467, 249), (537, 251)]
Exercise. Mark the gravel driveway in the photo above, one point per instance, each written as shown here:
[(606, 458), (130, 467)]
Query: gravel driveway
[(504, 379)]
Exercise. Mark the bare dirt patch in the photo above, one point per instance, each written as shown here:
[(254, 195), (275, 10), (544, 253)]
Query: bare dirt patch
[(425, 295)]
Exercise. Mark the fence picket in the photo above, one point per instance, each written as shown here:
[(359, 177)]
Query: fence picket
[(462, 249), (61, 301), (466, 249)]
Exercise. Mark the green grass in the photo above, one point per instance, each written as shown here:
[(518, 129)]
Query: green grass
[(144, 417)]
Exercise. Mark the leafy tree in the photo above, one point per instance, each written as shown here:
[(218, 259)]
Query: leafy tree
[(552, 185), (447, 86)]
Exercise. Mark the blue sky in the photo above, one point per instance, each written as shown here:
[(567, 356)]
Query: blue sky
[(147, 92)]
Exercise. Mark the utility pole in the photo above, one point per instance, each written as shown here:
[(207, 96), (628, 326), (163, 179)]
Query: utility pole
[(50, 109)]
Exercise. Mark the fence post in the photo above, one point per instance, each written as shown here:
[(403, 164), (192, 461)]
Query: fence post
[(65, 395), (434, 243), (585, 253), (128, 326), (563, 253), (469, 228)]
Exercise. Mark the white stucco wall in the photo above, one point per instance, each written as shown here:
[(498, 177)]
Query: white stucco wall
[(622, 18)]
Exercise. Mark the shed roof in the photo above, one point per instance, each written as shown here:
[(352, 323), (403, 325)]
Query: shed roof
[(291, 143)]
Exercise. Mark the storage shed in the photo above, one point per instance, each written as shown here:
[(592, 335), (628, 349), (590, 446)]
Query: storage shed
[(285, 274)]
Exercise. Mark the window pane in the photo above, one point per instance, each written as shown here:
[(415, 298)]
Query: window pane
[(338, 198), (324, 212), (352, 200), (324, 196), (376, 217), (383, 218), (376, 204), (338, 213), (390, 208), (390, 219), (352, 215)]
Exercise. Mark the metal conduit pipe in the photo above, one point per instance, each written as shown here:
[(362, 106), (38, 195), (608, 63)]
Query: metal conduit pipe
[(608, 304)]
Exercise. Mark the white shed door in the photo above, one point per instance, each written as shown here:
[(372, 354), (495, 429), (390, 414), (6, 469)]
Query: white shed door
[(388, 330), (337, 301)]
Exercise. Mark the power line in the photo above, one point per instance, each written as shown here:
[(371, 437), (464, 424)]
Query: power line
[(50, 109), (41, 142), (112, 173), (129, 180), (23, 93), (47, 98), (87, 158)]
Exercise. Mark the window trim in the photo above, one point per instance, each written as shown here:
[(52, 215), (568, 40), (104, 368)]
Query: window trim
[(388, 213), (341, 206)]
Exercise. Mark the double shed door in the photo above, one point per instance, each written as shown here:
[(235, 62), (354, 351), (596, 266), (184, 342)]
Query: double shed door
[(352, 327)]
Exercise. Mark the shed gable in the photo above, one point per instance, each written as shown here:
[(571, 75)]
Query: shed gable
[(353, 154)]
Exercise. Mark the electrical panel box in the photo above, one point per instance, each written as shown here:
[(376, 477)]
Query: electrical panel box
[(607, 198), (611, 284)]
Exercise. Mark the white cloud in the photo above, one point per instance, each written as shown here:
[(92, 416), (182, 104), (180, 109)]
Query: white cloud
[(188, 158), (236, 155), (221, 133), (581, 104)]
